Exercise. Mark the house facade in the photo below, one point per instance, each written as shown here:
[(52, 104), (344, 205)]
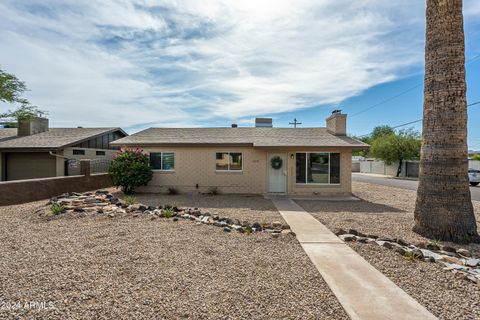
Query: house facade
[(33, 150), (301, 161)]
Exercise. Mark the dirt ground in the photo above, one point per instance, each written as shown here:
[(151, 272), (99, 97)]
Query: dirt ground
[(96, 267), (388, 211)]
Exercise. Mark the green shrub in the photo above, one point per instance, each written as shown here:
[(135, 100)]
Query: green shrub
[(411, 255), (130, 200), (130, 169), (213, 191), (172, 190), (56, 209), (168, 213)]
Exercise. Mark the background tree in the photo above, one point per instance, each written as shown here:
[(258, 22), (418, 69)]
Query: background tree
[(444, 208), (11, 89), (396, 147), (377, 132), (23, 113), (130, 169)]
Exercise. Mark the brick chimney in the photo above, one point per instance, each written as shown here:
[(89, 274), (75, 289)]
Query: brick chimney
[(32, 126), (337, 123)]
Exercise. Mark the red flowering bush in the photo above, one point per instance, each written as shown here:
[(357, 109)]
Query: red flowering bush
[(130, 169)]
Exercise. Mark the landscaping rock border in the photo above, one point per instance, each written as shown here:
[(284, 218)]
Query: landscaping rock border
[(105, 203), (459, 261)]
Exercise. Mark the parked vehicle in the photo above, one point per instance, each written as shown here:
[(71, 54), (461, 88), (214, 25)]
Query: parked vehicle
[(474, 177)]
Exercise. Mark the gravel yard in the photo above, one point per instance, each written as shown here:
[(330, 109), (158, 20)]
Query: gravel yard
[(251, 208), (387, 211), (97, 267)]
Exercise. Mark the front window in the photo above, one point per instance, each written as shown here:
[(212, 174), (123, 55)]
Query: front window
[(318, 168), (164, 161), (229, 161)]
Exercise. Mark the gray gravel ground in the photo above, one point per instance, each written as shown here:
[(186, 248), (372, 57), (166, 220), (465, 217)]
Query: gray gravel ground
[(136, 268), (388, 211), (251, 208)]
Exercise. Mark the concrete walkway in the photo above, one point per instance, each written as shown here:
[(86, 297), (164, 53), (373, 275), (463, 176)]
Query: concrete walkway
[(363, 291)]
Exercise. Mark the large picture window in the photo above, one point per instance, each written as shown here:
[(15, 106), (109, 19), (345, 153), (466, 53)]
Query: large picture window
[(229, 161), (164, 161), (318, 168)]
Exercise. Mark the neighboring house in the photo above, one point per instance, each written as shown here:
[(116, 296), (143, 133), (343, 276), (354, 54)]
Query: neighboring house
[(250, 160), (36, 151)]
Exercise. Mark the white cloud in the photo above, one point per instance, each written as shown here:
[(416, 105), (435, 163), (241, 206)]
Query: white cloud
[(126, 62)]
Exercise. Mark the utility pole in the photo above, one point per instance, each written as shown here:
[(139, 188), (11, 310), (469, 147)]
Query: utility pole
[(295, 122)]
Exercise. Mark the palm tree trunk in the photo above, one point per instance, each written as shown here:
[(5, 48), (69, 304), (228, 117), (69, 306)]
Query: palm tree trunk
[(444, 208)]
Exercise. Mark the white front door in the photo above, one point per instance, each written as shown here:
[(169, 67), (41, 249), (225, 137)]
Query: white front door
[(277, 172)]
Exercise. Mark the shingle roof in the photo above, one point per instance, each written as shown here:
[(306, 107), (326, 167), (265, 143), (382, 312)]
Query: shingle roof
[(6, 133), (257, 137), (54, 138)]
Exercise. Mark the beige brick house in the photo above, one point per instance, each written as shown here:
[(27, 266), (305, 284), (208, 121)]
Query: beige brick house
[(254, 160)]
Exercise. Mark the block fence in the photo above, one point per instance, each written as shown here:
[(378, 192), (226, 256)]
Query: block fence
[(21, 191)]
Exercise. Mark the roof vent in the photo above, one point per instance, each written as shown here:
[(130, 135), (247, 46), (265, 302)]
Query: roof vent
[(263, 123), (234, 125)]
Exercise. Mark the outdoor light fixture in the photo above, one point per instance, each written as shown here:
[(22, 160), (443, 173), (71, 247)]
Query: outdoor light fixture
[(292, 156)]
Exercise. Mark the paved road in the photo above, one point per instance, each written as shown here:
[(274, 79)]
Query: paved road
[(404, 184)]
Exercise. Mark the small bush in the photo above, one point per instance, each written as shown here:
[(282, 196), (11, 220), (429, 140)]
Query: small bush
[(411, 255), (213, 191), (56, 209), (130, 200), (172, 190), (130, 169), (168, 213)]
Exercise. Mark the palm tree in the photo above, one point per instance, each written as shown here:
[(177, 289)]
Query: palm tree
[(444, 208)]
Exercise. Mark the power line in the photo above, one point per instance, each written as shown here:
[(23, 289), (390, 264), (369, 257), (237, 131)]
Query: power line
[(415, 121), (403, 92), (386, 100)]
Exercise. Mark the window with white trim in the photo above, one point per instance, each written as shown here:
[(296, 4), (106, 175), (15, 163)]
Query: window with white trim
[(229, 161), (164, 161), (318, 167)]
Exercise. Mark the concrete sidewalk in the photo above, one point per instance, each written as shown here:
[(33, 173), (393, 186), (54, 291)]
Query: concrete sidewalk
[(363, 291)]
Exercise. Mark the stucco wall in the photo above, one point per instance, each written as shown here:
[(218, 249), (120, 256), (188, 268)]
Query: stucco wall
[(196, 165), (21, 191)]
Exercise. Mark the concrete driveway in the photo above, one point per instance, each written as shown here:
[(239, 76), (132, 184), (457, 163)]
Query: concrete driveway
[(398, 183)]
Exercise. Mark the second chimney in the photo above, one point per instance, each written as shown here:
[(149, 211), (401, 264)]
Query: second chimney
[(32, 126), (337, 123)]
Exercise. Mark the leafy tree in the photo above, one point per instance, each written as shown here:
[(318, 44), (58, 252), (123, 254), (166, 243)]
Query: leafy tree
[(381, 131), (11, 88), (23, 113), (476, 157), (393, 147), (130, 169), (377, 132)]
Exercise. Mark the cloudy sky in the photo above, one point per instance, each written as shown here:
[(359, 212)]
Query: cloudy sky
[(140, 63)]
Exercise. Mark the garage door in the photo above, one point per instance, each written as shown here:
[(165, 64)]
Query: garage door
[(22, 165)]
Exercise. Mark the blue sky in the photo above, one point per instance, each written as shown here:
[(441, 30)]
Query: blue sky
[(141, 63)]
